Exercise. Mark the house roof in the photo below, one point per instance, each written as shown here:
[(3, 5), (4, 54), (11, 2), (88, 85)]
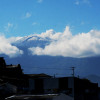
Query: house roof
[(11, 66), (38, 75)]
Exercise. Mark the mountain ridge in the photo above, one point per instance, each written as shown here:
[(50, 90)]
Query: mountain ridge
[(84, 66)]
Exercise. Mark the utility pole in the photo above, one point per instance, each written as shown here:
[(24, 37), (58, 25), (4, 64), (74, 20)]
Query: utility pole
[(73, 71)]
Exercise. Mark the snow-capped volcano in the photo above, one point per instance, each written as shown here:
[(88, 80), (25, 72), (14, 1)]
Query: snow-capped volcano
[(54, 52), (30, 41)]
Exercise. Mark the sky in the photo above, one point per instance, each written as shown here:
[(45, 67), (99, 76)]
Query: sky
[(25, 17), (73, 26)]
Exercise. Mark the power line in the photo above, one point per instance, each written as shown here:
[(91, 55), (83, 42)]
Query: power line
[(50, 68)]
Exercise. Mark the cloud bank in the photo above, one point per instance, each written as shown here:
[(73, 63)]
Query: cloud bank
[(59, 44), (8, 49), (68, 45)]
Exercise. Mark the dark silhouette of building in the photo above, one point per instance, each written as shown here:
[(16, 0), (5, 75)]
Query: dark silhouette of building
[(78, 89), (9, 70), (13, 74), (44, 87)]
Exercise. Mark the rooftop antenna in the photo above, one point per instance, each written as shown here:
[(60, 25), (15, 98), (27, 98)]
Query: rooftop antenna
[(73, 71)]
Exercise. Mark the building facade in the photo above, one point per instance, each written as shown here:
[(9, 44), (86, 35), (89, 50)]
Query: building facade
[(78, 89)]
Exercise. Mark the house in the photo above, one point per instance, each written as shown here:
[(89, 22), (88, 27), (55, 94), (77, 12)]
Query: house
[(42, 86), (14, 75), (63, 88), (78, 89), (9, 70), (85, 90)]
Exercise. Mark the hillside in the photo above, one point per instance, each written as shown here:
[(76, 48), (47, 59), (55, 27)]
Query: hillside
[(58, 65)]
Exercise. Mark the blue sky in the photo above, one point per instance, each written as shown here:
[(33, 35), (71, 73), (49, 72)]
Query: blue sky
[(25, 17)]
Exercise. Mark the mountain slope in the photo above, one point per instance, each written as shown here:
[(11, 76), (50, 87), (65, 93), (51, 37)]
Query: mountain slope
[(94, 79), (58, 65)]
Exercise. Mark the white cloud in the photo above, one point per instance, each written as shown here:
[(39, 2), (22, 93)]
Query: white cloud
[(53, 35), (28, 15), (39, 1), (78, 2), (68, 45), (8, 27), (33, 38), (34, 23), (8, 49), (14, 39), (86, 1)]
